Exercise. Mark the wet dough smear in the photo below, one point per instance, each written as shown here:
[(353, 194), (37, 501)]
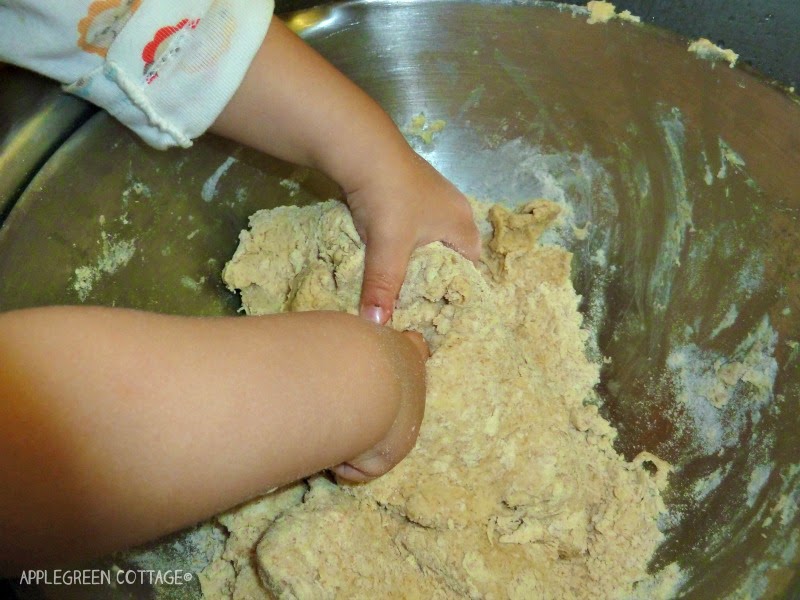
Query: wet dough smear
[(514, 489)]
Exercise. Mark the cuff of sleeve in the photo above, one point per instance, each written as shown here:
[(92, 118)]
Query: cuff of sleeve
[(175, 66)]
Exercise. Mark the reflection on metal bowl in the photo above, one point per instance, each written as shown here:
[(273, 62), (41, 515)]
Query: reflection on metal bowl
[(682, 179)]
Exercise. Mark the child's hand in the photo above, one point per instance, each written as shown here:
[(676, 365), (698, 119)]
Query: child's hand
[(399, 440), (219, 410), (294, 105), (405, 205)]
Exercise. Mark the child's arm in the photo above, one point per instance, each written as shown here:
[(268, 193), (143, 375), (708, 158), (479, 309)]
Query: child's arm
[(118, 426), (295, 105), (168, 70)]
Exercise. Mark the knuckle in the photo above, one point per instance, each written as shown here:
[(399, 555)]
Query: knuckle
[(463, 210), (378, 286)]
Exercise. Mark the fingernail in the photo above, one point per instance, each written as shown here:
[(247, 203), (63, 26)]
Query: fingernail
[(350, 473), (374, 314)]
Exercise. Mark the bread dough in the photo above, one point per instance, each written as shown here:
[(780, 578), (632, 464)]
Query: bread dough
[(602, 12), (707, 50), (421, 128), (514, 489)]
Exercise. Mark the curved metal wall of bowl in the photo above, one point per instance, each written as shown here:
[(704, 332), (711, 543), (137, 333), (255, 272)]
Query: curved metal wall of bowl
[(762, 32)]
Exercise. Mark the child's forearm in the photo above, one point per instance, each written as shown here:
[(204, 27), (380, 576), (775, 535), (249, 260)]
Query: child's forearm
[(295, 105), (119, 426)]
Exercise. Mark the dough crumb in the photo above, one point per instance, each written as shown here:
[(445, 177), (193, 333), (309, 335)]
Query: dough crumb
[(514, 489), (603, 12), (421, 128), (581, 233), (707, 50)]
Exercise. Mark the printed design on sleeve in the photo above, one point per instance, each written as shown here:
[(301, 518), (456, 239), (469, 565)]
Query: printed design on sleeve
[(102, 24), (158, 49), (205, 56)]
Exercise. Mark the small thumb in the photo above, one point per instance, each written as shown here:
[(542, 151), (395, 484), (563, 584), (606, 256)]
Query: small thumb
[(419, 344), (384, 271)]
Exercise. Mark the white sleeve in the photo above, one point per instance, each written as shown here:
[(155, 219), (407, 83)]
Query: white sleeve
[(164, 68)]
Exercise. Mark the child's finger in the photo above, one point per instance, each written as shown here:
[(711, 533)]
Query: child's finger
[(466, 242), (385, 267), (463, 236), (346, 472), (419, 344)]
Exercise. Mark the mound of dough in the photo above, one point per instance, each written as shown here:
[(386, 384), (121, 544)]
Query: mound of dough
[(514, 489)]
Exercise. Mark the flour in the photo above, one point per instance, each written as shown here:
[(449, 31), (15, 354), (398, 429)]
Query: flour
[(722, 393), (209, 189), (728, 320), (758, 479), (703, 487), (728, 156), (114, 255), (485, 504)]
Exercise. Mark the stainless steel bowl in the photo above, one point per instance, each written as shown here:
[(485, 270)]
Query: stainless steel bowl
[(688, 173)]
